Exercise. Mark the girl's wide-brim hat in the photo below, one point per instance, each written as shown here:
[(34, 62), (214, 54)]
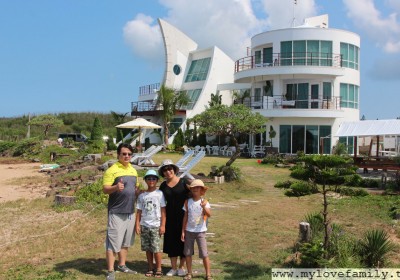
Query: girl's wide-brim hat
[(197, 183), (167, 162)]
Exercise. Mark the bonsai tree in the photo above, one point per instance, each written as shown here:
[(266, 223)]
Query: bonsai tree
[(47, 122)]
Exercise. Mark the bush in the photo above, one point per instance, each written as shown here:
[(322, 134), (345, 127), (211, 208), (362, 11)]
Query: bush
[(301, 188), (316, 222), (283, 185), (92, 193), (369, 183), (301, 173), (353, 180), (27, 146), (374, 248), (352, 191), (271, 159), (6, 145)]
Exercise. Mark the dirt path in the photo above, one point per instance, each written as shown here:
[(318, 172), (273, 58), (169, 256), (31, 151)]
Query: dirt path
[(21, 180)]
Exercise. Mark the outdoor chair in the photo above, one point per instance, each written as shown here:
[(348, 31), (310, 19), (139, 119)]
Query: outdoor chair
[(185, 169)]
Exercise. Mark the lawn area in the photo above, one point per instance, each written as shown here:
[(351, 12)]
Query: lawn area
[(253, 227)]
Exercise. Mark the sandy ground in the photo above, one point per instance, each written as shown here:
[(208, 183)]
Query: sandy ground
[(22, 180)]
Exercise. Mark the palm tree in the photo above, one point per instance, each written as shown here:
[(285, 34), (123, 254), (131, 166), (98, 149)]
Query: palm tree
[(168, 101), (239, 96), (216, 99)]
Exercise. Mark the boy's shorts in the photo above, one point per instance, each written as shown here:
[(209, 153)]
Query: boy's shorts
[(150, 239), (200, 238), (120, 231)]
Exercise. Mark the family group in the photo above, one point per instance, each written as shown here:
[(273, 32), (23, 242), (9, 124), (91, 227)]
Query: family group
[(169, 219)]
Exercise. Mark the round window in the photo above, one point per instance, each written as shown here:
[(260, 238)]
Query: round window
[(177, 69)]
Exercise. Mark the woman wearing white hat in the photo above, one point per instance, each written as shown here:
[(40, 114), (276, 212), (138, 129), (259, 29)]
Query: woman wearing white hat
[(175, 193)]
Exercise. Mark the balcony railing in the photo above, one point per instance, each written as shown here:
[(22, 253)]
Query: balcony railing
[(289, 59), (149, 89), (280, 102), (143, 106)]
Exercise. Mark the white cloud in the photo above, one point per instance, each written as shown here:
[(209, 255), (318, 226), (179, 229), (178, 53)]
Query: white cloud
[(142, 34), (228, 24), (384, 30), (284, 13)]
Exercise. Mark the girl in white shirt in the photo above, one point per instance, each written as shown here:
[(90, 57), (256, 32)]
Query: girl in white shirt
[(194, 228)]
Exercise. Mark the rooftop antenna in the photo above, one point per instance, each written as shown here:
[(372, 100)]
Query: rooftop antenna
[(294, 14)]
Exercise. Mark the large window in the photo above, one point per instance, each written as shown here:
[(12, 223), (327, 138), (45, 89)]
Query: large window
[(350, 55), (298, 92), (257, 94), (267, 55), (349, 96), (303, 52), (304, 138), (198, 70), (257, 57), (193, 95)]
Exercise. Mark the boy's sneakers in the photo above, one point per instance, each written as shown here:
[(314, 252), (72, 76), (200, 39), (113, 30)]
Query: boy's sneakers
[(125, 269), (110, 275), (172, 272), (181, 272)]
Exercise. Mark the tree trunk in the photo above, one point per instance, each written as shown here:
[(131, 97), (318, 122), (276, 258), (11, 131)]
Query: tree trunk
[(236, 154), (166, 132), (325, 215)]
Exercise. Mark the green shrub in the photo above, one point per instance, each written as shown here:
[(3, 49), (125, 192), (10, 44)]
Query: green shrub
[(301, 188), (283, 185), (27, 146), (271, 159), (312, 255), (92, 193), (110, 144), (316, 222), (353, 180), (6, 145), (349, 191), (369, 183), (374, 247), (301, 173)]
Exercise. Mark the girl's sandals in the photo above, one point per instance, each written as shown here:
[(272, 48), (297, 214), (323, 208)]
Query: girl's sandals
[(158, 274), (208, 277), (188, 277), (149, 273)]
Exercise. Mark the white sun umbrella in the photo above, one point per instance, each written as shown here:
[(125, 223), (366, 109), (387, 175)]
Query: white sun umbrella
[(138, 123)]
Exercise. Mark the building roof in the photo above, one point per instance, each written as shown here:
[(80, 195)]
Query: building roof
[(369, 128)]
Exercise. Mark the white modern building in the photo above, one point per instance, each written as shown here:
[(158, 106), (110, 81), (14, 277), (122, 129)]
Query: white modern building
[(305, 80)]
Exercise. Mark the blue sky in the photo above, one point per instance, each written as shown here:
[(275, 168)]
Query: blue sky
[(74, 56)]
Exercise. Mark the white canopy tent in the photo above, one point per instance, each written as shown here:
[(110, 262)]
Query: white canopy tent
[(371, 128)]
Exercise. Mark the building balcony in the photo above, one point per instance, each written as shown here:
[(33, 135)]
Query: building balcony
[(150, 108), (278, 106), (149, 89), (289, 59)]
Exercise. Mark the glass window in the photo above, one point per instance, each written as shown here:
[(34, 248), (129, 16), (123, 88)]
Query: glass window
[(257, 94), (299, 52), (302, 96), (325, 131), (349, 96), (267, 55), (286, 53), (298, 138), (198, 70), (193, 96), (326, 53), (327, 91), (285, 140), (313, 52), (350, 55), (257, 57), (312, 139)]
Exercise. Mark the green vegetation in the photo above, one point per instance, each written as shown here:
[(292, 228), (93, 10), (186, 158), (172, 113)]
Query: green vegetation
[(13, 129)]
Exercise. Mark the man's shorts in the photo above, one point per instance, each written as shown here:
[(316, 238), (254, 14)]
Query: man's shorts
[(200, 238), (120, 231), (150, 239)]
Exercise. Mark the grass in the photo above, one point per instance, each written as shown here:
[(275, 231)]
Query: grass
[(254, 227)]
